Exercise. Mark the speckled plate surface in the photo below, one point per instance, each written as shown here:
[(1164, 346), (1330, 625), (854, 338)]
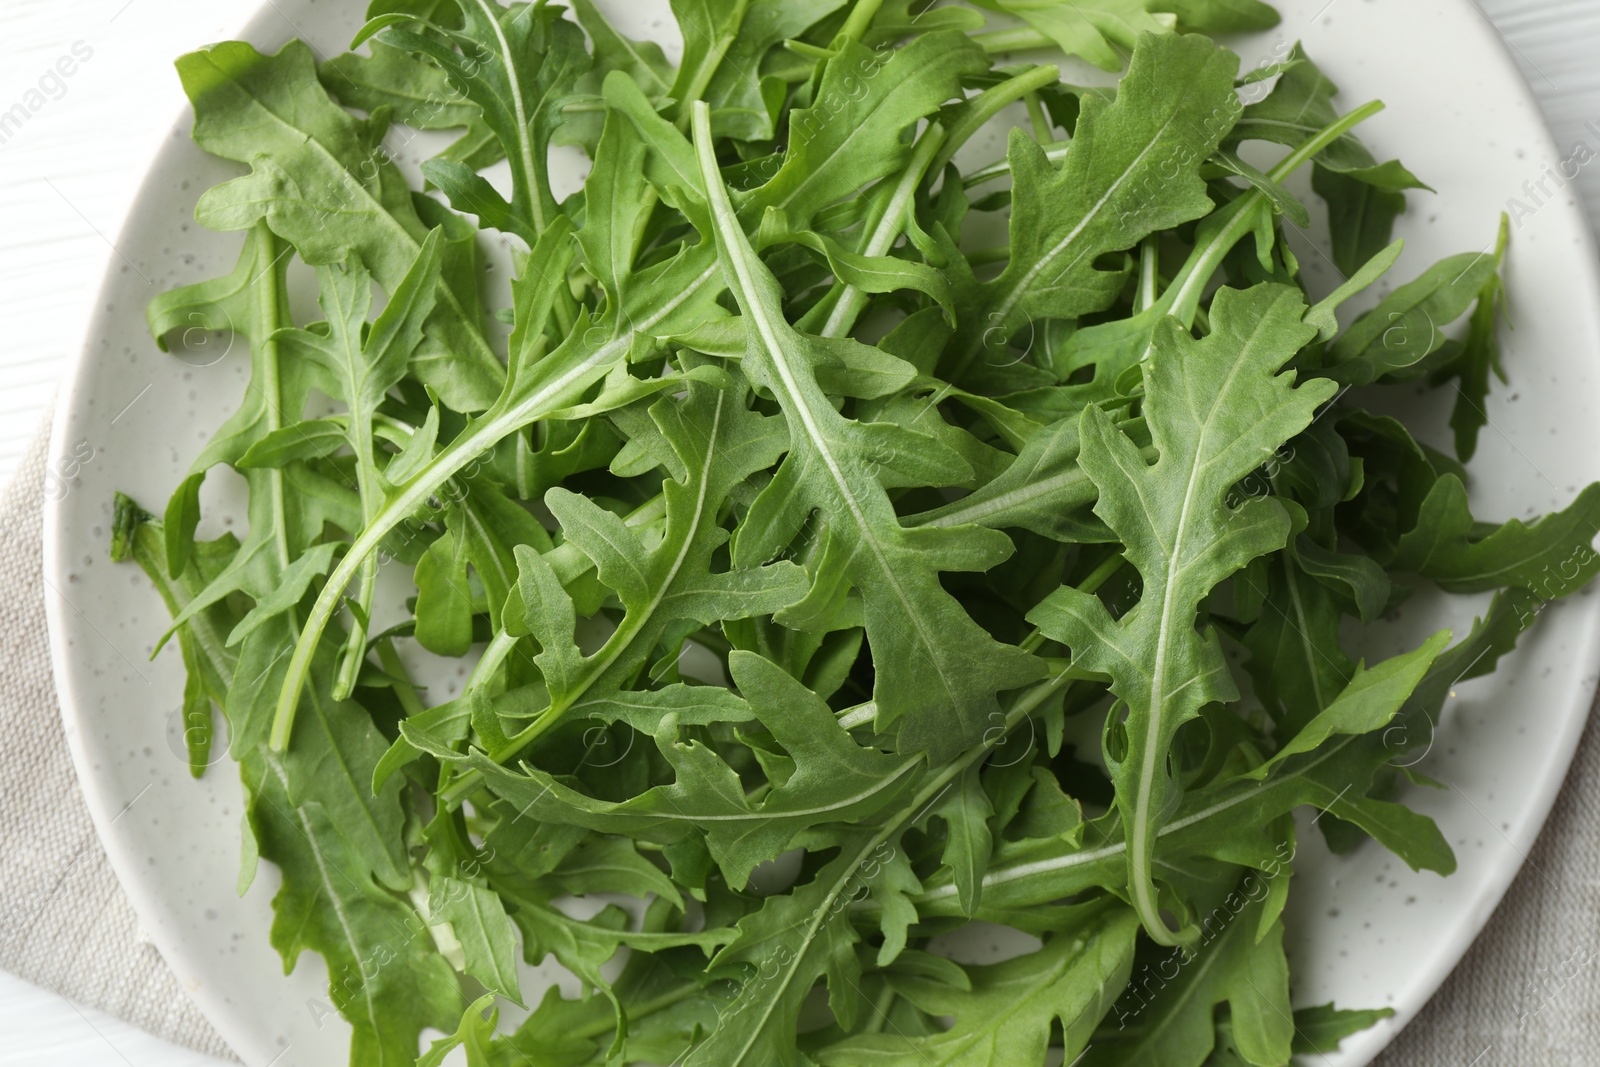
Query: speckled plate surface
[(1365, 931)]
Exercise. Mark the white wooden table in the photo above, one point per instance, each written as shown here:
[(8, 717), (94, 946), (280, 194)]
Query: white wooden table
[(68, 172)]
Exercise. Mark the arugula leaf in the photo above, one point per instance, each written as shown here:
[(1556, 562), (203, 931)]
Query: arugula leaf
[(313, 162), (1320, 1029), (208, 661), (1296, 659), (250, 303), (1008, 1013), (475, 1036), (417, 93), (1407, 325), (642, 61), (1170, 1021), (1043, 490), (1475, 358), (387, 978), (1172, 110), (1552, 557), (1223, 16), (1299, 106), (1215, 408), (516, 63), (740, 91), (1361, 216), (851, 136), (838, 781), (1367, 702), (1097, 30), (918, 631)]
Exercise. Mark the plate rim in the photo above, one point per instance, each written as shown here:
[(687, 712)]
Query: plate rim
[(103, 808)]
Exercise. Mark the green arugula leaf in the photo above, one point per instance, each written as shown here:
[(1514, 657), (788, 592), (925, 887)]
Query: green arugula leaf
[(1361, 216), (740, 92), (1101, 31), (1008, 1014), (966, 811), (478, 921), (642, 61), (417, 93), (794, 940), (1367, 703), (919, 633), (1171, 112), (1215, 408), (208, 661), (1478, 355), (1043, 490), (516, 64), (1553, 557), (851, 137), (1407, 326), (312, 162), (1223, 16), (387, 978), (1320, 1029), (835, 780), (1175, 1026), (250, 303), (1299, 106), (1296, 659), (475, 1036)]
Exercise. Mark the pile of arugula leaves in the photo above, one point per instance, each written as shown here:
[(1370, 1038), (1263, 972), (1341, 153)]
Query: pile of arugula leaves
[(835, 580)]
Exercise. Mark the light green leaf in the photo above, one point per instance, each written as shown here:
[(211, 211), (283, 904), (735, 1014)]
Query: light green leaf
[(1367, 703)]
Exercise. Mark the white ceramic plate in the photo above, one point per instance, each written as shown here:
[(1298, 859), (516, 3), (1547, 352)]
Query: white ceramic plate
[(1365, 931)]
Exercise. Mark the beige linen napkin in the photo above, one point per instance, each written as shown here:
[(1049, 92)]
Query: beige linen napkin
[(1527, 994), (64, 922)]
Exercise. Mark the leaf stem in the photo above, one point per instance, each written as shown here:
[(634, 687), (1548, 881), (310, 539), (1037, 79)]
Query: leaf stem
[(880, 1011), (860, 20), (986, 105), (709, 65), (887, 230), (1149, 261), (1019, 39), (1183, 298), (269, 298), (494, 656), (1043, 131)]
